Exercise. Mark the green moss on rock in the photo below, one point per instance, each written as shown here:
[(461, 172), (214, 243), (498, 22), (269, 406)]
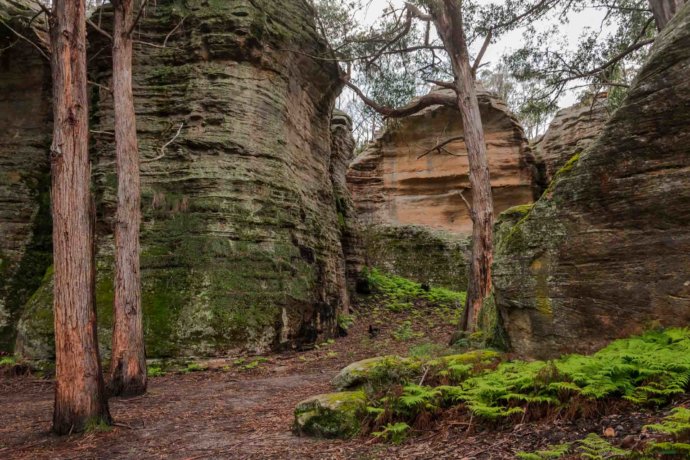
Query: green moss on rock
[(334, 415), (427, 256)]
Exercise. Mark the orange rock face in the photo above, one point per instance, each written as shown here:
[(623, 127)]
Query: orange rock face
[(400, 180)]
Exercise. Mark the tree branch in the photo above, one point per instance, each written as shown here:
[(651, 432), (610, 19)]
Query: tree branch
[(431, 99), (136, 20), (480, 56), (167, 37), (165, 146), (19, 35), (98, 29), (440, 146)]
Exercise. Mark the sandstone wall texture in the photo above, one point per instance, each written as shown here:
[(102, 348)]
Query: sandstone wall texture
[(431, 257), (25, 118), (605, 253), (241, 241), (392, 185), (572, 130)]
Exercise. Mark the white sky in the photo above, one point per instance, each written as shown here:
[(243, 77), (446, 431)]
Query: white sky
[(512, 40)]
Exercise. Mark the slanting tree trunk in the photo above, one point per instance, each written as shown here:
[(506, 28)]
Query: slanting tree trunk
[(128, 362), (664, 10), (79, 391), (447, 17)]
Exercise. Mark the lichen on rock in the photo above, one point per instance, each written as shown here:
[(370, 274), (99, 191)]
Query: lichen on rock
[(333, 415), (241, 239), (605, 252)]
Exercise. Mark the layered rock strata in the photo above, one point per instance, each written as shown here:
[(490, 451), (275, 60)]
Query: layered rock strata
[(25, 118), (402, 180), (605, 253), (572, 130), (241, 242)]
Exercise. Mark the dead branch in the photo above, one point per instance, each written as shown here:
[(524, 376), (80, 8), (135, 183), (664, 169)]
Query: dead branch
[(99, 30), (19, 35), (142, 8), (440, 146), (467, 203), (165, 42), (165, 146), (98, 85)]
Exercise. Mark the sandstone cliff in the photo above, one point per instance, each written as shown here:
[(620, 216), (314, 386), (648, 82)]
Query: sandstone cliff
[(572, 130), (25, 118), (394, 183), (605, 253), (241, 243), (408, 198)]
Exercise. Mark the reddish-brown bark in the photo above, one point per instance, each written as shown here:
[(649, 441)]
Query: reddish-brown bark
[(447, 17), (79, 390), (128, 361)]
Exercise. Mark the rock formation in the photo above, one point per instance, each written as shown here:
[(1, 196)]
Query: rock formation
[(25, 117), (409, 197), (241, 242), (399, 180), (605, 253), (572, 130)]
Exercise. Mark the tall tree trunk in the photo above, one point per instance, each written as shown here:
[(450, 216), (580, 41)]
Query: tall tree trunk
[(664, 10), (447, 16), (128, 363), (79, 391)]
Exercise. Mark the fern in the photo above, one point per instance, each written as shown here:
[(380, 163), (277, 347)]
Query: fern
[(595, 448), (393, 432), (676, 424), (553, 452)]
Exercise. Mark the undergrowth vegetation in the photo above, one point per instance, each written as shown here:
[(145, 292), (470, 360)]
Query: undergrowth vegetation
[(400, 294), (643, 370), (674, 432)]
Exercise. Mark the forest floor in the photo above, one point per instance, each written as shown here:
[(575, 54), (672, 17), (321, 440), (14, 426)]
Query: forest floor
[(243, 409)]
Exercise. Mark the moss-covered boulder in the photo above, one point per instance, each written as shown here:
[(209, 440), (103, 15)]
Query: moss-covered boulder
[(241, 239), (333, 415), (605, 252), (356, 373)]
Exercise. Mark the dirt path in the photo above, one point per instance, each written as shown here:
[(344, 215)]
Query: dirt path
[(236, 413)]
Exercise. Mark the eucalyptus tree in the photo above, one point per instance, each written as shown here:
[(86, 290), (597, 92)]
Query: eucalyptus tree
[(79, 388), (128, 358), (434, 35)]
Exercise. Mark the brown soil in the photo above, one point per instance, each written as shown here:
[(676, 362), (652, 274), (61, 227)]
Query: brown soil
[(235, 413)]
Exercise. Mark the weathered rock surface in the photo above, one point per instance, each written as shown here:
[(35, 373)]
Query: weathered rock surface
[(572, 131), (356, 373), (241, 242), (342, 153), (25, 118), (431, 257), (333, 415), (605, 253), (394, 183)]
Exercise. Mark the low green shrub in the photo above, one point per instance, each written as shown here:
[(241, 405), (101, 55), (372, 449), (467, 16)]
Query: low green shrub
[(399, 294)]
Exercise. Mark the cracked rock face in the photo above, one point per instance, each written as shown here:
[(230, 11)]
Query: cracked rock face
[(241, 242), (605, 253)]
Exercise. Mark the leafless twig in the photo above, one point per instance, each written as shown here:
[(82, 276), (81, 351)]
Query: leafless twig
[(25, 39), (165, 146)]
